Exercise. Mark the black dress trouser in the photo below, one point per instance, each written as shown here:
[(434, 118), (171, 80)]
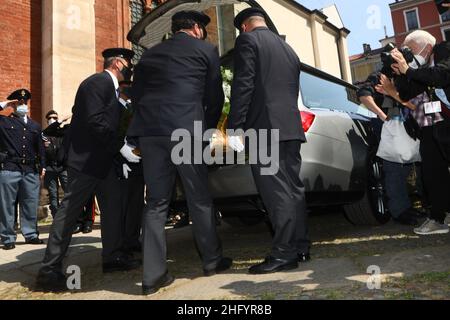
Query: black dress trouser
[(436, 176), (283, 195), (159, 175), (81, 187)]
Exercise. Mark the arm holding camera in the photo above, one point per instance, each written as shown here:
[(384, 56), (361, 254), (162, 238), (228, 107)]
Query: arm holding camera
[(387, 87), (370, 97)]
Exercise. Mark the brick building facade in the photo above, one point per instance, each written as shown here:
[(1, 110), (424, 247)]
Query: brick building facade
[(22, 26), (50, 46), (410, 15)]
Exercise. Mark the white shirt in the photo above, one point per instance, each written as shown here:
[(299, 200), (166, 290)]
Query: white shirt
[(115, 80)]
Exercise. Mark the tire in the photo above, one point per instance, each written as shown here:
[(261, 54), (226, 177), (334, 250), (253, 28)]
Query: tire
[(371, 210)]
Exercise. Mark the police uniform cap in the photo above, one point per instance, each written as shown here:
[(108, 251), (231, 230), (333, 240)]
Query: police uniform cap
[(247, 13), (118, 53), (21, 94), (196, 16)]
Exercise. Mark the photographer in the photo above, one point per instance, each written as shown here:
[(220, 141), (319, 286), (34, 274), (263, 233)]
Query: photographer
[(396, 170), (426, 82)]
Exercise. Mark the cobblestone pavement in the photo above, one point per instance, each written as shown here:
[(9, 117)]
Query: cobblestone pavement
[(411, 267)]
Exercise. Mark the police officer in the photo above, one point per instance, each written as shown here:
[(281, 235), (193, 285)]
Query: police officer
[(265, 96), (22, 164), (92, 144), (176, 83), (56, 172), (132, 179)]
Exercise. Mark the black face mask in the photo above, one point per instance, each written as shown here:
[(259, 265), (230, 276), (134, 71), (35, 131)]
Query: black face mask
[(127, 73)]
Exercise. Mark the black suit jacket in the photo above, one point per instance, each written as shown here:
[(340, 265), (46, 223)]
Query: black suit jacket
[(176, 83), (266, 85), (93, 134)]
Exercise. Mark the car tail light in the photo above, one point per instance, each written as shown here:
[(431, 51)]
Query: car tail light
[(307, 120)]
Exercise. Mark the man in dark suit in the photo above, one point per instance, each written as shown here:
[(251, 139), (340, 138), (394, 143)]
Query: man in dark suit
[(177, 83), (265, 97), (132, 179), (22, 164), (91, 146)]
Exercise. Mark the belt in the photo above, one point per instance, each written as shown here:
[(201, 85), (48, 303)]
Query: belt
[(22, 161)]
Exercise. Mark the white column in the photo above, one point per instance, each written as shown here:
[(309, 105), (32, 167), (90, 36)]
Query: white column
[(344, 57), (68, 51)]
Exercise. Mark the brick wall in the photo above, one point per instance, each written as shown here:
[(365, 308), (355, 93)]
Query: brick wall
[(428, 18), (20, 26), (112, 23)]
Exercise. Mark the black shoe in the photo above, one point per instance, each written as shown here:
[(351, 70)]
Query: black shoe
[(36, 241), (9, 246), (87, 228), (123, 263), (165, 281), (272, 265), (51, 281), (406, 220), (183, 222), (304, 257), (223, 265), (78, 228)]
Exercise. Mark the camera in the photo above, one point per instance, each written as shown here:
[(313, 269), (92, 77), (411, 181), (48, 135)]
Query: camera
[(387, 59)]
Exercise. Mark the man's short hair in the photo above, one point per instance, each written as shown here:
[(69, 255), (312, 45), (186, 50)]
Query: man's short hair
[(51, 113), (420, 37), (181, 24), (109, 62)]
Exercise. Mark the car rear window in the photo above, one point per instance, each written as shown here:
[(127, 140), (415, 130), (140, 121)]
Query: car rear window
[(318, 93)]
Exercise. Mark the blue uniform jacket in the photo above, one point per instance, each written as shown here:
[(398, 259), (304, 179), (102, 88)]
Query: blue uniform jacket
[(22, 144)]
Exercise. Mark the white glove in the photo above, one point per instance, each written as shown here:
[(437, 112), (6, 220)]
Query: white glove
[(126, 170), (127, 153), (235, 143)]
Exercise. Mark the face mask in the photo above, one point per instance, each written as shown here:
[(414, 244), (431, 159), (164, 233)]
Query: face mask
[(419, 60), (51, 121), (22, 110), (127, 73)]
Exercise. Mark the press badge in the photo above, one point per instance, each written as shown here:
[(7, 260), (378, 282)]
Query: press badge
[(432, 107)]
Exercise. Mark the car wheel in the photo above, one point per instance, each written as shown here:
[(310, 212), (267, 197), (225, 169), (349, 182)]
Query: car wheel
[(371, 209)]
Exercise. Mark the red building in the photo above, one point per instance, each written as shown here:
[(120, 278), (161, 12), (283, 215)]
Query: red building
[(23, 39), (410, 15)]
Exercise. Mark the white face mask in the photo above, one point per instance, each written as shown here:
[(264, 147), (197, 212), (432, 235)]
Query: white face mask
[(22, 110), (51, 121), (419, 60)]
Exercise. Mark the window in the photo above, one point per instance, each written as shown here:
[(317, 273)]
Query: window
[(137, 12), (318, 93), (446, 33), (445, 16), (412, 19)]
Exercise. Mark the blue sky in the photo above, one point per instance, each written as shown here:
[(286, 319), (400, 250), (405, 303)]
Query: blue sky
[(364, 18)]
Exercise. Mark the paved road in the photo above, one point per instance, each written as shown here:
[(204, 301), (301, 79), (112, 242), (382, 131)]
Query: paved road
[(411, 267)]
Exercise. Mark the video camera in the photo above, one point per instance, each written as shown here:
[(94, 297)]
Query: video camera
[(388, 60)]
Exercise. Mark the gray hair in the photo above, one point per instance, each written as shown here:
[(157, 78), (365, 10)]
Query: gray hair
[(421, 38), (108, 62)]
